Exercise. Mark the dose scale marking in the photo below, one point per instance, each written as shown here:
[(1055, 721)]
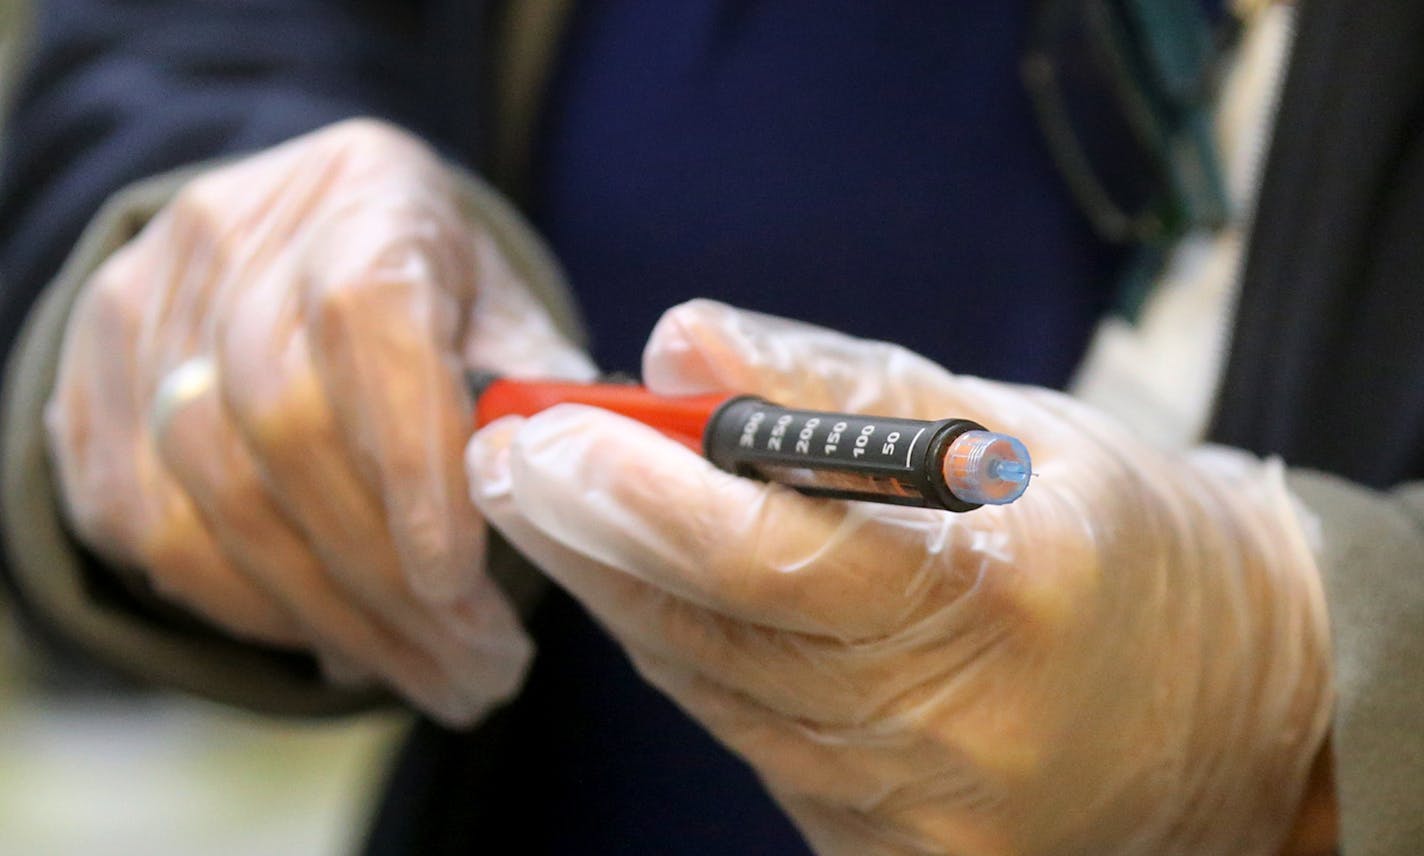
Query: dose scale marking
[(837, 432), (841, 438)]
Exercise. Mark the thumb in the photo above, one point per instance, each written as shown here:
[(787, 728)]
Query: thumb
[(703, 346)]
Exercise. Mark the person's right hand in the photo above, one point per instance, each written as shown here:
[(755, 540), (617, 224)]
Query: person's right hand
[(1131, 659), (259, 405)]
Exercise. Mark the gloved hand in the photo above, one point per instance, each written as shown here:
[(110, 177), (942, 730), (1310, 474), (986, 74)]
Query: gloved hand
[(259, 404), (1130, 659)]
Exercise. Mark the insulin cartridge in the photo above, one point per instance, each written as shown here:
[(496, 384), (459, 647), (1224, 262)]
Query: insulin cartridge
[(951, 464)]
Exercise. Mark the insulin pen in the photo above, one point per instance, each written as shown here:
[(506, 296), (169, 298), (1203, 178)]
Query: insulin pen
[(950, 464)]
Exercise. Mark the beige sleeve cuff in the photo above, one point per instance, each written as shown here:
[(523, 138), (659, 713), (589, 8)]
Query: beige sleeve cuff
[(1373, 565), (55, 579)]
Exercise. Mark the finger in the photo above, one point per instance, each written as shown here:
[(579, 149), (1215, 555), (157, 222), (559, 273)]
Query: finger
[(896, 784), (796, 756), (281, 412), (799, 676), (185, 563), (942, 677), (224, 230), (384, 341), (702, 346), (626, 605), (751, 658), (916, 788), (93, 418), (206, 456), (122, 500), (624, 495)]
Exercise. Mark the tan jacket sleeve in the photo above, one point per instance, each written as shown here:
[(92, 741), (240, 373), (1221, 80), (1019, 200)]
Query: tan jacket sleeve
[(65, 589), (16, 23), (1374, 579)]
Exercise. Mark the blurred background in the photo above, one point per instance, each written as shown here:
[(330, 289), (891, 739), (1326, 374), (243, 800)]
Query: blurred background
[(90, 766)]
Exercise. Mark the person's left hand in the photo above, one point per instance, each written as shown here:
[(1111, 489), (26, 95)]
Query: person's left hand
[(259, 411), (1130, 659)]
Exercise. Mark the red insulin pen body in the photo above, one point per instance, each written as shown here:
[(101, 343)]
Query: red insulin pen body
[(951, 464)]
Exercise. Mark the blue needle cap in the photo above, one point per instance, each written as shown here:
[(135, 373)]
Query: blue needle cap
[(987, 467)]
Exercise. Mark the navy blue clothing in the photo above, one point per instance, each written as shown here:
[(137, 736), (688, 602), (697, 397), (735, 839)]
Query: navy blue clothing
[(869, 166)]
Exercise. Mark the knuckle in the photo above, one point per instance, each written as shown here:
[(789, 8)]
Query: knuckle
[(372, 142), (114, 296), (382, 290), (997, 736), (204, 198), (365, 131), (1042, 587), (1026, 602), (331, 303), (200, 224)]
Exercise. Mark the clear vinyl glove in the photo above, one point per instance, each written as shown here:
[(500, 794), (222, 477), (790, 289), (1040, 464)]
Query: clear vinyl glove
[(1130, 659), (259, 406)]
